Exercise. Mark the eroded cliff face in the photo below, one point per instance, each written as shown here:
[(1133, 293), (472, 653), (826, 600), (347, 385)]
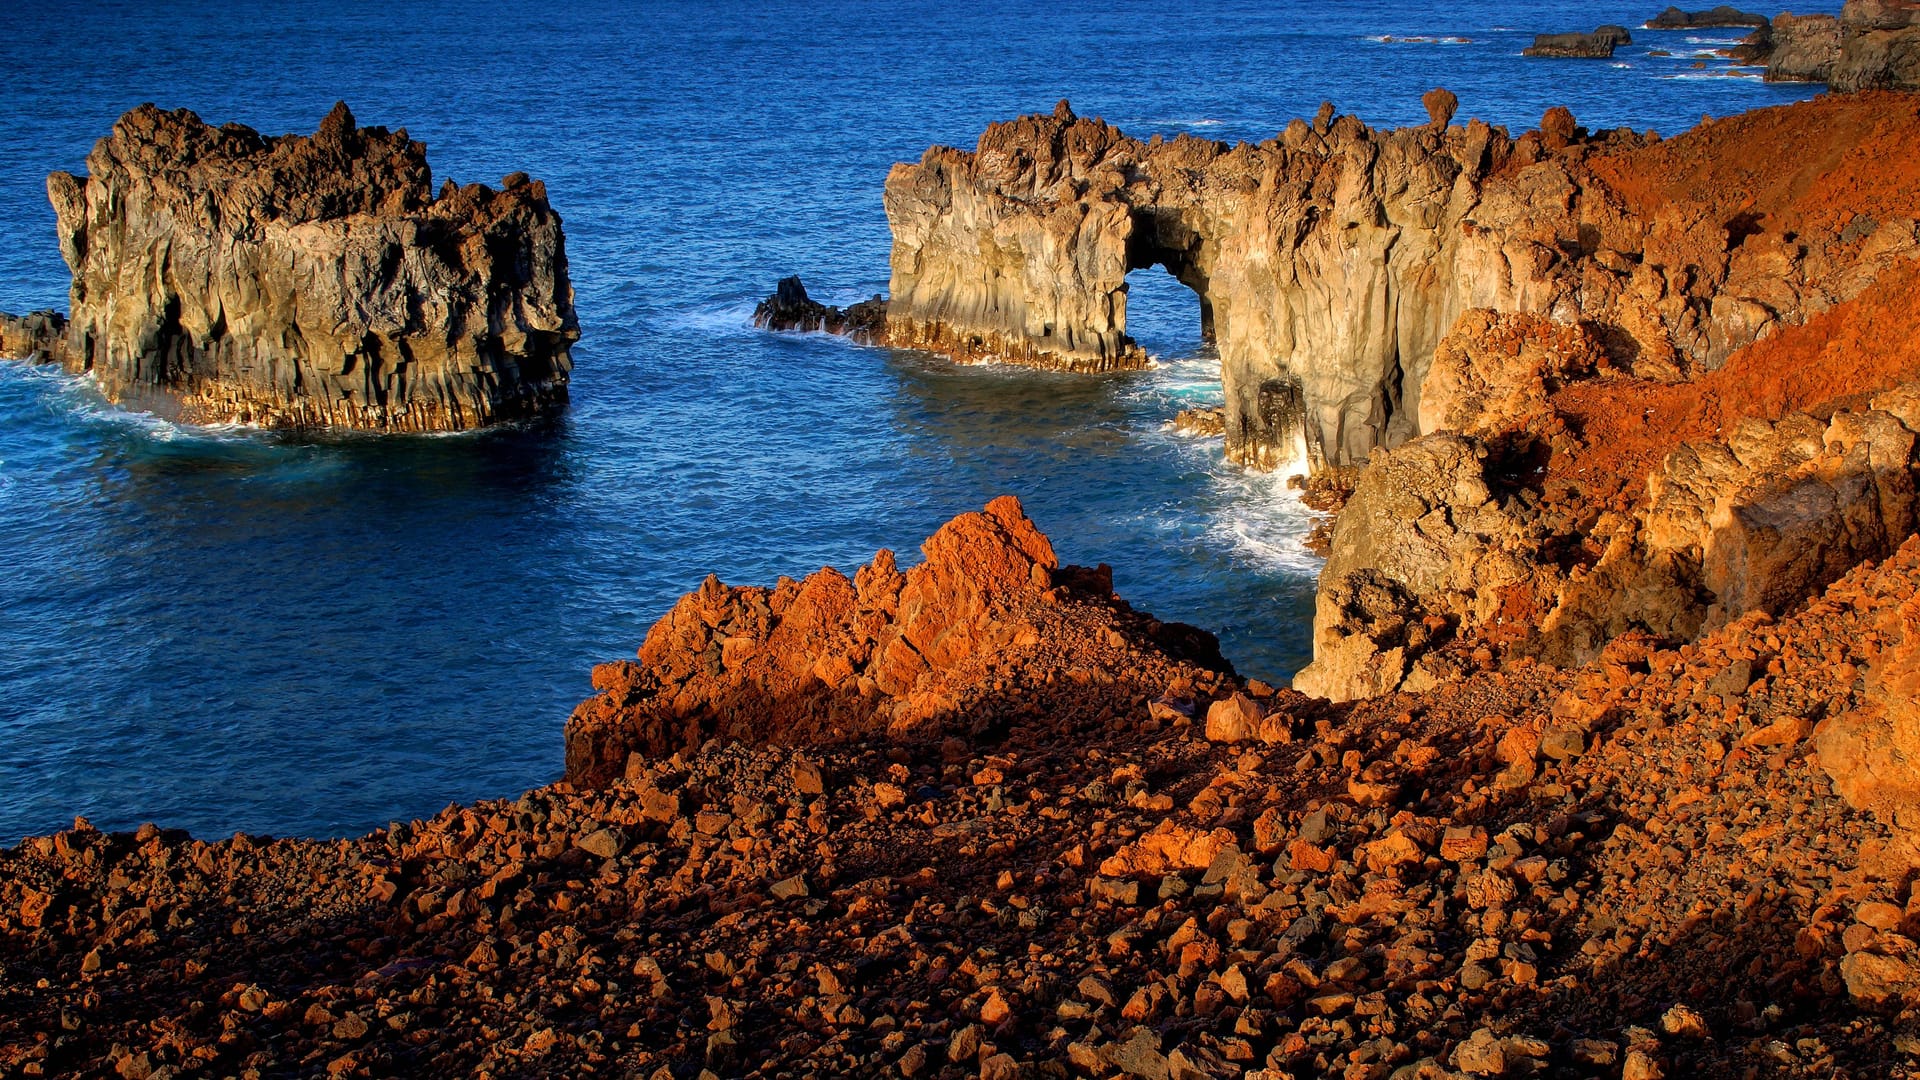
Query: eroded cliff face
[(1332, 259), (1567, 505), (310, 281)]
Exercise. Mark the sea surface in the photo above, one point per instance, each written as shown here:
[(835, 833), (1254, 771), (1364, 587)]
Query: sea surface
[(230, 630)]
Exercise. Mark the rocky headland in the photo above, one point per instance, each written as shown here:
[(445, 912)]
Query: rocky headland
[(1333, 260), (1608, 763), (305, 281)]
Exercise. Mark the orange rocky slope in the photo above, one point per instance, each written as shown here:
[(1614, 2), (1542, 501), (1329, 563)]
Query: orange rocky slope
[(1640, 867)]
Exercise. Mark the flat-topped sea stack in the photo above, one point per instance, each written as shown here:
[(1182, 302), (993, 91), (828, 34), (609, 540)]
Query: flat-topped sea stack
[(1719, 17), (1332, 260), (309, 281)]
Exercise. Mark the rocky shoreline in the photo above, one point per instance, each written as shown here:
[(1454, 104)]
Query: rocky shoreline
[(1608, 762)]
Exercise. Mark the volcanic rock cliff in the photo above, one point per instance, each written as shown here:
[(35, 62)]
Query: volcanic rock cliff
[(1567, 497), (1333, 259), (309, 281)]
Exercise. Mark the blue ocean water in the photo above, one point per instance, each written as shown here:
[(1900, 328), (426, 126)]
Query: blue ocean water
[(222, 629)]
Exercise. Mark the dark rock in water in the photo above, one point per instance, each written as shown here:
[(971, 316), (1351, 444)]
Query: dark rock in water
[(790, 308), (1594, 46), (1722, 16), (1615, 33), (310, 281)]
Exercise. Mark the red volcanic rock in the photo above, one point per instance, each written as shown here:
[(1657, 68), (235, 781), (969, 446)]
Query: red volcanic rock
[(826, 659)]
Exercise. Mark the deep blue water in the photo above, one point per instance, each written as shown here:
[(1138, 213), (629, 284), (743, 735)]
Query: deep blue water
[(225, 630)]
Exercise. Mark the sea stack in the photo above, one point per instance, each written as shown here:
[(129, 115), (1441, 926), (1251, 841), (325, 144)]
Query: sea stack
[(309, 281)]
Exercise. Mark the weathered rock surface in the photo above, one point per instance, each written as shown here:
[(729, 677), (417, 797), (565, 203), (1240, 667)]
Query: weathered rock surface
[(1801, 48), (1476, 533), (1722, 15), (790, 308), (1879, 48), (988, 626), (1636, 868), (310, 281), (1872, 45), (1333, 259), (1598, 45), (40, 336)]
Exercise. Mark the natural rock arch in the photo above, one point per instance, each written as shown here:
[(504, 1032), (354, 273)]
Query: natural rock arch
[(1331, 260)]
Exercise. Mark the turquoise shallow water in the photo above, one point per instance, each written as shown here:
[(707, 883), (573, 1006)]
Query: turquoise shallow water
[(228, 630)]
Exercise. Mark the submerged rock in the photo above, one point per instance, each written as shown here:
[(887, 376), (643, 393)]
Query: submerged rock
[(310, 281)]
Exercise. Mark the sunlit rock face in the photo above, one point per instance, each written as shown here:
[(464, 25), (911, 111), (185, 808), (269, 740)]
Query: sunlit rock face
[(1331, 259), (310, 281)]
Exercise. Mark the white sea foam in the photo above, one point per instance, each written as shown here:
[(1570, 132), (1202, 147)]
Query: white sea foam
[(729, 317), (1418, 39), (1172, 121), (1253, 516)]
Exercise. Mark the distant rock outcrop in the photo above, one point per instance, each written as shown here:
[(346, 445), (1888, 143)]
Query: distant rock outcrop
[(1598, 45), (310, 281), (1799, 48), (1717, 17), (990, 625), (1872, 45)]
